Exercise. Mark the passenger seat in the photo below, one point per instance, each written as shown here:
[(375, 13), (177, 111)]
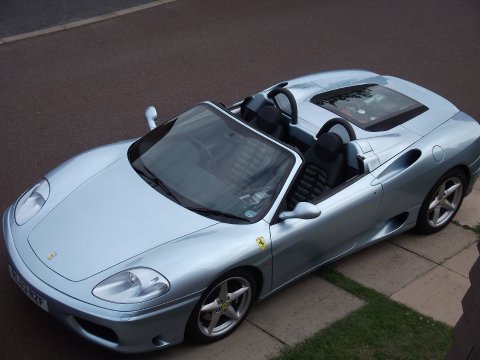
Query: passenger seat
[(269, 119)]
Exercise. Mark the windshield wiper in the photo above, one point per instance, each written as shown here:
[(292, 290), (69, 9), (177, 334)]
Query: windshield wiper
[(152, 177), (208, 211)]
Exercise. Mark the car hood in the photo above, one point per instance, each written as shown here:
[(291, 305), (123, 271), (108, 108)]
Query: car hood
[(113, 216)]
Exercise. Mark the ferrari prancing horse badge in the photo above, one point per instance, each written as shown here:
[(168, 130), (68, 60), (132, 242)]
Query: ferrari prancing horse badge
[(261, 243)]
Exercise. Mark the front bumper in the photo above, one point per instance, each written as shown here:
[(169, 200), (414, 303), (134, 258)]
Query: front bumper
[(129, 332)]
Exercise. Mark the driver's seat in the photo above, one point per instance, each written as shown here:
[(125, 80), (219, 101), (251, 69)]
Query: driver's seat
[(323, 170)]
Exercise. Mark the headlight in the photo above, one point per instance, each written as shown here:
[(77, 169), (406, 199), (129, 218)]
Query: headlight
[(132, 286), (31, 202)]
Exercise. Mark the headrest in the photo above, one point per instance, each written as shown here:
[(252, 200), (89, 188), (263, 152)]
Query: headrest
[(269, 118), (328, 146)]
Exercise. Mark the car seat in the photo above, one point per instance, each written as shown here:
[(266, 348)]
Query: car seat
[(323, 170)]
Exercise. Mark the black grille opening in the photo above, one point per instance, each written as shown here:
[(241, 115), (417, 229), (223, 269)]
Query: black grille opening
[(98, 330)]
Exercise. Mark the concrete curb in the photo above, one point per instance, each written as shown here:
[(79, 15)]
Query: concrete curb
[(74, 24)]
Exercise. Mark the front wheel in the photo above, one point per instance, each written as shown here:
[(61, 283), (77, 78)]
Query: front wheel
[(222, 308), (442, 202)]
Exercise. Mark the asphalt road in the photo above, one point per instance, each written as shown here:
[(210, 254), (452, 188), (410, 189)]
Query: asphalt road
[(69, 91)]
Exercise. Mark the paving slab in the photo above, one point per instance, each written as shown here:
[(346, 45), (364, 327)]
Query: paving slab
[(440, 246), (469, 212), (288, 317), (303, 309), (463, 261), (384, 267), (438, 294), (247, 342)]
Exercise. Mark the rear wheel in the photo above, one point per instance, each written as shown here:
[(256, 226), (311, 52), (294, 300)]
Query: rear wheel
[(442, 202), (222, 307)]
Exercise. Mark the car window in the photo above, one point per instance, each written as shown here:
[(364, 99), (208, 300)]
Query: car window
[(210, 160), (371, 107)]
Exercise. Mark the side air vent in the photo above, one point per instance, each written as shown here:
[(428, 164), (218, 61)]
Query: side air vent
[(402, 163)]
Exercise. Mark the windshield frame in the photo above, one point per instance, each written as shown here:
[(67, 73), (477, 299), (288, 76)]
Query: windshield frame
[(266, 213)]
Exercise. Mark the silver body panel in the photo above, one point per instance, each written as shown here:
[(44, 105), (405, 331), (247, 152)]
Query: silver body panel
[(122, 214), (102, 218)]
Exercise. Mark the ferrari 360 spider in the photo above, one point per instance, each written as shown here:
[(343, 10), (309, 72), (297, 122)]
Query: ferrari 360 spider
[(137, 244)]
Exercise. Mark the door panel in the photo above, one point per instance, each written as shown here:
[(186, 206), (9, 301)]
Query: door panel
[(300, 245)]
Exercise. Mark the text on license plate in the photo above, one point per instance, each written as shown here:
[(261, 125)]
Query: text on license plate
[(37, 299)]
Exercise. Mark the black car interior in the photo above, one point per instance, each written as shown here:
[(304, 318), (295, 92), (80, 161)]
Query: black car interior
[(329, 160), (323, 170), (269, 119)]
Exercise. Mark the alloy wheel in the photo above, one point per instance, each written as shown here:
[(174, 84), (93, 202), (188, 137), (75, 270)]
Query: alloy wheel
[(225, 306), (445, 202)]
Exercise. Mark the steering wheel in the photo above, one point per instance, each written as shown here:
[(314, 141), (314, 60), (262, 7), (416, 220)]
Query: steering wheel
[(291, 99), (338, 121)]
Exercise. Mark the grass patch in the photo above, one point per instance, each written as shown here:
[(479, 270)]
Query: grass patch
[(381, 329), (475, 229)]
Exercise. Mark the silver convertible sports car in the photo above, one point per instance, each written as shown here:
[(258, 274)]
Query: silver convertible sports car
[(139, 244)]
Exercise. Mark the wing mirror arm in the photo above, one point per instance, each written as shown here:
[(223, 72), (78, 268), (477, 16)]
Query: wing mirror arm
[(151, 117), (303, 210)]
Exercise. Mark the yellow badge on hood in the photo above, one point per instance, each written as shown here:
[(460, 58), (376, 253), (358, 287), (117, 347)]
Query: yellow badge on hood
[(52, 255), (261, 243)]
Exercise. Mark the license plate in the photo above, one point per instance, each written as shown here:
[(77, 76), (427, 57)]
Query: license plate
[(32, 295)]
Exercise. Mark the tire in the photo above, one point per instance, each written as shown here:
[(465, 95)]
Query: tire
[(442, 202), (222, 307)]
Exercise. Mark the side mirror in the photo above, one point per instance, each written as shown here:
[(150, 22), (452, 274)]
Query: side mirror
[(303, 210), (151, 117)]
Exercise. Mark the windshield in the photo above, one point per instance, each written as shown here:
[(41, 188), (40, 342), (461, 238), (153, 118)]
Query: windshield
[(213, 165)]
